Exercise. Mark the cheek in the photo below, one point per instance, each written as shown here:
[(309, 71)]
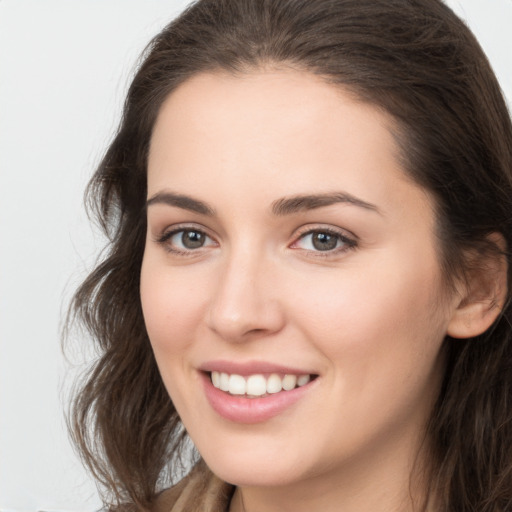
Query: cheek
[(378, 317), (172, 304), (381, 334)]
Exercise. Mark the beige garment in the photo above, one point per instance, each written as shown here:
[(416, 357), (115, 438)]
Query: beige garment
[(199, 491)]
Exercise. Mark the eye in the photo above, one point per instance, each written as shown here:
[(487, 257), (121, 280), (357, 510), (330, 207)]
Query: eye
[(323, 240), (185, 240)]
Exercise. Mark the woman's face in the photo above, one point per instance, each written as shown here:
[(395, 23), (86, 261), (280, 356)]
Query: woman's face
[(287, 248)]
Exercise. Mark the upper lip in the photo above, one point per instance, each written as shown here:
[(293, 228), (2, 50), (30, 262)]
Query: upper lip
[(251, 368)]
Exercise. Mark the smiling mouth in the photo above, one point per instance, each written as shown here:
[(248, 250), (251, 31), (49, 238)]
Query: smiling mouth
[(258, 385)]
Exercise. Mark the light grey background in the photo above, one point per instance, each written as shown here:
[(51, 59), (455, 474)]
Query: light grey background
[(64, 68)]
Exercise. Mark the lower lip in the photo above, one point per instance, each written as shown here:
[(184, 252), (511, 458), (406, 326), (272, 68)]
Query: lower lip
[(240, 409)]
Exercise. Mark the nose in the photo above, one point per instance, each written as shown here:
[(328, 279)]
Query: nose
[(245, 303)]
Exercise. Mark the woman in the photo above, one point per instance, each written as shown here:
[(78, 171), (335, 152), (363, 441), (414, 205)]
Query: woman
[(309, 205)]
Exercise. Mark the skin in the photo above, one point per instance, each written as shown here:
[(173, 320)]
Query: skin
[(368, 317)]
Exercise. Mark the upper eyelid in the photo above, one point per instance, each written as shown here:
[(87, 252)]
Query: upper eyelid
[(312, 228), (172, 232), (176, 228)]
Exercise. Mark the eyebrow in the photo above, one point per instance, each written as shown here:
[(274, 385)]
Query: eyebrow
[(301, 203), (280, 207), (181, 201)]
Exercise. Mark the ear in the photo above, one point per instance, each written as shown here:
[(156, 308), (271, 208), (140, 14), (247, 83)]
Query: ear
[(484, 293)]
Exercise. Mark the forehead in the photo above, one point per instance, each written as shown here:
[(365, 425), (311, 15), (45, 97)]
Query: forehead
[(285, 131), (278, 97)]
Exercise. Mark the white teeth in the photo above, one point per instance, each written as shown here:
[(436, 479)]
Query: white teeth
[(224, 382), (289, 382), (303, 380), (257, 385), (274, 384), (237, 385)]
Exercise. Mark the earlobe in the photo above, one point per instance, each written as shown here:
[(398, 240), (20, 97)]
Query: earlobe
[(484, 294)]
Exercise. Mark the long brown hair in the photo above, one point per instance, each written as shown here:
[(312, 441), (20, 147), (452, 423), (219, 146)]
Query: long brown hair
[(412, 58)]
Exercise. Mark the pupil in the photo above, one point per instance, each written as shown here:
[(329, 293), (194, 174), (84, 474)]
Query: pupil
[(324, 241), (192, 239)]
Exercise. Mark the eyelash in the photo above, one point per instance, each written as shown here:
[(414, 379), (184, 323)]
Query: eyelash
[(165, 237), (347, 243)]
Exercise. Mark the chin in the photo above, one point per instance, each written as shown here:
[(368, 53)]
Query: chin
[(247, 473), (255, 462)]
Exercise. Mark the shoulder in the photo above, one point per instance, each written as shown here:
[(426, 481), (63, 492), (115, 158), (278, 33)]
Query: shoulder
[(199, 490)]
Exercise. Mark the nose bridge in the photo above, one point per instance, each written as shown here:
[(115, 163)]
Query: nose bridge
[(244, 302)]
